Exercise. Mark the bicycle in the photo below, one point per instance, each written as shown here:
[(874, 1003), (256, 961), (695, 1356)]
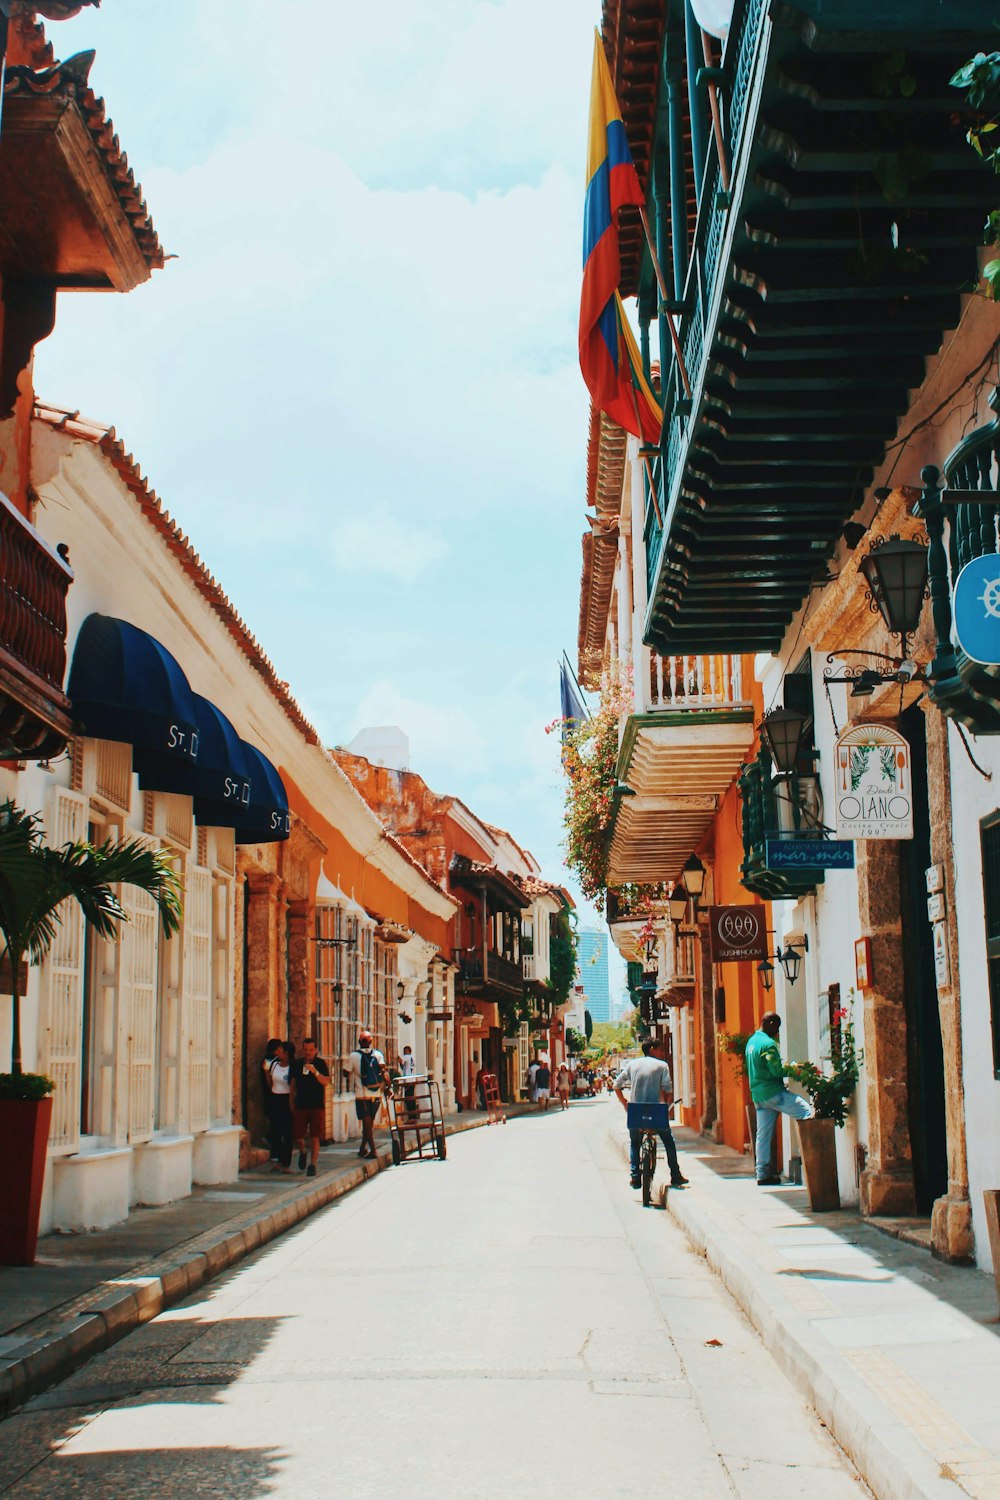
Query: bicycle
[(651, 1119)]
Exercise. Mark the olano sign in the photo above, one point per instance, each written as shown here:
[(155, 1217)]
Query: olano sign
[(873, 784)]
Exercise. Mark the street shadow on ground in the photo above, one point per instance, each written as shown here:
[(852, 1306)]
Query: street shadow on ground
[(123, 1475), (963, 1288), (86, 1435)]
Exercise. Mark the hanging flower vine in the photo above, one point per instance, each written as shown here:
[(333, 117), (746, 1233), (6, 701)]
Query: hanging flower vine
[(589, 758)]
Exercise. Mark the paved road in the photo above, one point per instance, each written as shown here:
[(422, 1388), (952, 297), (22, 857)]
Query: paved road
[(511, 1321)]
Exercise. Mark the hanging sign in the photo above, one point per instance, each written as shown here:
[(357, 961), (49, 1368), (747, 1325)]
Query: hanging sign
[(874, 790), (976, 608), (809, 854), (737, 934)]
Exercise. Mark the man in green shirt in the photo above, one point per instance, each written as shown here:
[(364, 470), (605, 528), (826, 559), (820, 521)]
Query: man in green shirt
[(766, 1073)]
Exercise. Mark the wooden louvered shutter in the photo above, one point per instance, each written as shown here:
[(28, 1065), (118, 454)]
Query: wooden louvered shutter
[(140, 946), (61, 1038), (198, 990)]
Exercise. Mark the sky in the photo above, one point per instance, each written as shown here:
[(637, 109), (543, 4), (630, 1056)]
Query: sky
[(356, 386)]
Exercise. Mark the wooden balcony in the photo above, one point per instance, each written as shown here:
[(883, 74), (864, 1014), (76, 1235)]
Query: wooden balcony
[(499, 977), (34, 579), (680, 751), (803, 258)]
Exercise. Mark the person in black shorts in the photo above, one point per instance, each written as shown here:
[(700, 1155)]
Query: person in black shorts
[(310, 1078)]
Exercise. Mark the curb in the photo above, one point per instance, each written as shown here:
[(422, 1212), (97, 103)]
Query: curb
[(42, 1361), (883, 1449)]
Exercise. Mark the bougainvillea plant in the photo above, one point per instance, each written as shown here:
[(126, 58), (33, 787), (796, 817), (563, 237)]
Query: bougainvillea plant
[(589, 758)]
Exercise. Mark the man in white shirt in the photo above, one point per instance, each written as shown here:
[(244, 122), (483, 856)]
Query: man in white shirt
[(649, 1081), (366, 1072)]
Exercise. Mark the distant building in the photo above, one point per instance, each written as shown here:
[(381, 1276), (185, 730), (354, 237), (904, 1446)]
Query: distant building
[(592, 963)]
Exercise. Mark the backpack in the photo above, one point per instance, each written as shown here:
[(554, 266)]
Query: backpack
[(371, 1070)]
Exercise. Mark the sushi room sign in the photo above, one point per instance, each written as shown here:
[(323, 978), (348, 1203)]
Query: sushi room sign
[(874, 787)]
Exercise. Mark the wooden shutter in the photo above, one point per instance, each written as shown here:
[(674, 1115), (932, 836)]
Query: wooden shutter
[(61, 1039), (222, 999), (140, 948), (198, 990)]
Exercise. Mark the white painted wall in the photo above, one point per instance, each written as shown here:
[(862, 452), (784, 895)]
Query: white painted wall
[(974, 798)]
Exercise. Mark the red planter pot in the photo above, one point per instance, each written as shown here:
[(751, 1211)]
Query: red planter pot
[(24, 1136)]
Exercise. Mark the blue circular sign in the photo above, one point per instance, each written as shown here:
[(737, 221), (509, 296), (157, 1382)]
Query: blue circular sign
[(977, 609)]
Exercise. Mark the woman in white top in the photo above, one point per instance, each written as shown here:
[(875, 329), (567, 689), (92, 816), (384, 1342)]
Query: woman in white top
[(281, 1111)]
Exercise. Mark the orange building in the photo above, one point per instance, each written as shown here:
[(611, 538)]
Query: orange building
[(499, 941), (686, 732)]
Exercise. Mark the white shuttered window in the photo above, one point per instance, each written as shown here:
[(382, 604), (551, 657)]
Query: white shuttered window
[(62, 988)]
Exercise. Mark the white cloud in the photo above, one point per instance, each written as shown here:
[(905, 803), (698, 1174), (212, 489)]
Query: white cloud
[(375, 541), (362, 366)]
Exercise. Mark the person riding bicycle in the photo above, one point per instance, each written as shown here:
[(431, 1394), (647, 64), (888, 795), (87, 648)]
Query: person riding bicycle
[(649, 1081)]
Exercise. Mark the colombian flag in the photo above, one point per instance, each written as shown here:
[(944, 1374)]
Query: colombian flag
[(609, 358)]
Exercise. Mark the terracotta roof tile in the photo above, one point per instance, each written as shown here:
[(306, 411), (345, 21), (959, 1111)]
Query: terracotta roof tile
[(69, 80)]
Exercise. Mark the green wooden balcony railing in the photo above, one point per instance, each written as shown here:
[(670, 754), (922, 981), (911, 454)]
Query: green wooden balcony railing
[(761, 820)]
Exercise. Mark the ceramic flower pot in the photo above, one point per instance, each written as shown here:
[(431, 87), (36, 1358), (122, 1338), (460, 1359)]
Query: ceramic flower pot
[(819, 1162), (24, 1131)]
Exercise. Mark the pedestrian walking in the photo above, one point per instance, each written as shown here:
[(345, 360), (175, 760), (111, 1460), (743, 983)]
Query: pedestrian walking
[(310, 1078), (649, 1082), (562, 1085), (766, 1074), (281, 1111), (407, 1068), (365, 1072), (533, 1067), (270, 1053), (543, 1081)]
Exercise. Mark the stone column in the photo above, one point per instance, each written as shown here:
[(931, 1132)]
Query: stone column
[(300, 995), (951, 1216), (264, 989), (887, 1181)]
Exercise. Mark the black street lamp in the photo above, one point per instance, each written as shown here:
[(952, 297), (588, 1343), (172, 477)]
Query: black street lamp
[(766, 971), (677, 904), (693, 877), (791, 959), (896, 573), (784, 732)]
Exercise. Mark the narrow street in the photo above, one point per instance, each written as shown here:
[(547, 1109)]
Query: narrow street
[(510, 1321)]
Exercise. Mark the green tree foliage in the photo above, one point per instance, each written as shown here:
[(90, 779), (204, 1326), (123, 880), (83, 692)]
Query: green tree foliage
[(979, 80), (35, 880), (563, 945), (576, 1041)]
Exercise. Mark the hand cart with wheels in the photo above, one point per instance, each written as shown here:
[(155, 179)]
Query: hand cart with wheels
[(415, 1118)]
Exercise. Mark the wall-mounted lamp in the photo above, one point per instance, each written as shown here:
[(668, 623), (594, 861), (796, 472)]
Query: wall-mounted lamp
[(790, 960), (400, 989), (784, 732), (693, 878), (677, 904), (896, 574)]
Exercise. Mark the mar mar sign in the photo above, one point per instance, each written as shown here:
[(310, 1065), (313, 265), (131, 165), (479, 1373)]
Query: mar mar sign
[(874, 789), (737, 934)]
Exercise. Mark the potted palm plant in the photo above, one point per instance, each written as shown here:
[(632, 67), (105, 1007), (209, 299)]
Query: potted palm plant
[(34, 881), (831, 1095)]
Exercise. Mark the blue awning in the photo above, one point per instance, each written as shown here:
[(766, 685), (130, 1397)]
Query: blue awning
[(221, 780), (123, 685), (266, 819)]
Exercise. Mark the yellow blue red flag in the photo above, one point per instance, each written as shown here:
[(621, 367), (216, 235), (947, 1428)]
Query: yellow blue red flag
[(609, 358)]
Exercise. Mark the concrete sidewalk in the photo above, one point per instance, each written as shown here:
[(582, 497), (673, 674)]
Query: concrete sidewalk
[(897, 1352), (86, 1291)]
